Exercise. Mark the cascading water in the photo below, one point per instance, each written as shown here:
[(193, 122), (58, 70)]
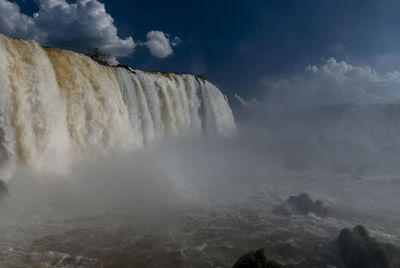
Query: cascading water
[(57, 104)]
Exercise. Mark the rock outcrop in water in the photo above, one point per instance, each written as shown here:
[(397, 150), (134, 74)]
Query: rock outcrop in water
[(56, 105), (352, 249), (255, 259), (302, 204), (359, 250)]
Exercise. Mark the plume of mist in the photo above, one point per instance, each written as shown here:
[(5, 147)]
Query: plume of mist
[(335, 117)]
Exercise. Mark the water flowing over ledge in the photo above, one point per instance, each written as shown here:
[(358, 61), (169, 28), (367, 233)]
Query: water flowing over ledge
[(57, 104)]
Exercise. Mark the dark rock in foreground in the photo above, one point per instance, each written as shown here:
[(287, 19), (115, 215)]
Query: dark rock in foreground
[(3, 190), (303, 204), (255, 259), (359, 250)]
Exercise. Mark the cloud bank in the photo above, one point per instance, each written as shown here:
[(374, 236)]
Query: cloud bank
[(333, 82), (79, 26)]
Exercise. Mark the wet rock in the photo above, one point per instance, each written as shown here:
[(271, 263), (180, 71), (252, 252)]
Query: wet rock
[(303, 204), (359, 250), (255, 259)]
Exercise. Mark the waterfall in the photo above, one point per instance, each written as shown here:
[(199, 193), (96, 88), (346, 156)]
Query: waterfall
[(56, 105)]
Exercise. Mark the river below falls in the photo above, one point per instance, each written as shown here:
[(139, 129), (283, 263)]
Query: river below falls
[(197, 231)]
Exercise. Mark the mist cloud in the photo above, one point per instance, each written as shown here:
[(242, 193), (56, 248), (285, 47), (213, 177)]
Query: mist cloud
[(246, 103), (333, 82)]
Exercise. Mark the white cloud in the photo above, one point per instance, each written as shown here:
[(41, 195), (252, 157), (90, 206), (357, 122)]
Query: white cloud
[(160, 44), (16, 24), (333, 82), (79, 26)]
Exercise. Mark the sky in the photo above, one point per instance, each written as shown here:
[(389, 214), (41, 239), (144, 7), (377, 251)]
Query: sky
[(249, 48)]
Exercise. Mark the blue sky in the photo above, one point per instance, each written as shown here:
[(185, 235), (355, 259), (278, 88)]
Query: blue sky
[(238, 45)]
